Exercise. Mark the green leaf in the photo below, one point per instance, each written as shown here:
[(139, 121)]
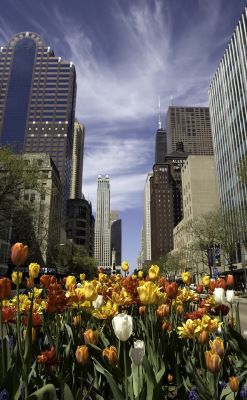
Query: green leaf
[(149, 370), (47, 392), (67, 392), (114, 387)]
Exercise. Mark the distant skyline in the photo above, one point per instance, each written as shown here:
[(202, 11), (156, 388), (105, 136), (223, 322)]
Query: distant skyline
[(126, 54)]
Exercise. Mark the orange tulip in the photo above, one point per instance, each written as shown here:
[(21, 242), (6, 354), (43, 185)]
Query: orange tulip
[(217, 345), (203, 337), (170, 378), (45, 281), (5, 288), (199, 289), (234, 383), (230, 280), (221, 283), (19, 253), (82, 354), (142, 310), (163, 311), (213, 361), (91, 337), (111, 355)]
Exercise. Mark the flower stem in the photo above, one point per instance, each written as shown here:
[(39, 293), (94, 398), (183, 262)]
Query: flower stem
[(125, 371), (1, 331)]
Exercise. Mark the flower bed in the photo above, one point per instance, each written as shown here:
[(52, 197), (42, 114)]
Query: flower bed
[(120, 338)]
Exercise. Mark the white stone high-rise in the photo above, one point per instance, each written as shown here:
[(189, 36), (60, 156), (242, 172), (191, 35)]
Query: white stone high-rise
[(77, 161), (102, 243), (147, 221)]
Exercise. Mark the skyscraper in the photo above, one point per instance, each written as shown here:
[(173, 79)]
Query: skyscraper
[(102, 245), (147, 221), (191, 126), (77, 161), (228, 112), (116, 237), (37, 101), (160, 145)]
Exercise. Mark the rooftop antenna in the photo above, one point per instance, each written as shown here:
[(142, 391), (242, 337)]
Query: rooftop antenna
[(160, 125), (171, 101)]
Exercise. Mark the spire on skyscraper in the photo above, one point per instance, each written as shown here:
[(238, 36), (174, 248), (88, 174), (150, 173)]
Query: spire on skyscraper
[(160, 124)]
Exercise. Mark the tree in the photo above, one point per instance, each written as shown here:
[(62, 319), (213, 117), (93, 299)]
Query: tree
[(74, 259)]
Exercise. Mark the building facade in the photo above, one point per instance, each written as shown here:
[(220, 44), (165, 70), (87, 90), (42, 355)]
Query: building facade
[(41, 117), (80, 224), (200, 194), (44, 204), (191, 127), (146, 229), (102, 246), (77, 161), (228, 112), (160, 145)]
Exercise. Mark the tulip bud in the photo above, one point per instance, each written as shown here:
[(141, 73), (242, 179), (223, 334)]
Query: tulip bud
[(172, 290), (153, 272), (33, 270), (213, 361), (219, 295), (234, 383), (137, 352), (45, 281), (91, 337), (205, 280), (123, 326), (77, 320), (111, 355), (186, 278), (82, 354), (203, 337), (19, 253), (16, 275), (30, 282), (163, 311), (166, 326), (217, 345), (125, 266), (142, 310), (230, 280), (98, 302), (70, 282), (82, 277), (140, 274), (180, 309), (170, 378), (230, 296), (199, 289)]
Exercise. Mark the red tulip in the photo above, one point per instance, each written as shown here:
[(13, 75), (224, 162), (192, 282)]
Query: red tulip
[(172, 290), (5, 288)]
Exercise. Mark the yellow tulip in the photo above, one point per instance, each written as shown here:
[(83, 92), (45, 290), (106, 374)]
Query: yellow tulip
[(148, 293), (140, 274), (14, 276), (70, 281), (213, 361), (102, 277), (33, 270), (206, 280), (125, 266), (90, 291), (186, 277), (82, 277), (217, 345), (153, 272)]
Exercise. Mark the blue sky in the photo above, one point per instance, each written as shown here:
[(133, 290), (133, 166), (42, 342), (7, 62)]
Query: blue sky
[(127, 53)]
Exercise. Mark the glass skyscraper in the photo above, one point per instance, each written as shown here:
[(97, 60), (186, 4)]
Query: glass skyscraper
[(37, 101), (228, 113)]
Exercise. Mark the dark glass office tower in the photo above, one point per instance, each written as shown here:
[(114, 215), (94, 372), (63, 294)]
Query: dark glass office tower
[(160, 146), (37, 101)]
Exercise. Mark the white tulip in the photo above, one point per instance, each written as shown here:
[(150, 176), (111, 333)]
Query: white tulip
[(137, 352), (230, 296), (244, 334), (219, 295), (98, 302), (123, 326)]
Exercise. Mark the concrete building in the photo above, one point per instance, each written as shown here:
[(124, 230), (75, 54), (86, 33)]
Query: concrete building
[(191, 127), (102, 246), (77, 161), (228, 113), (146, 229), (80, 224), (44, 204), (37, 101), (200, 194)]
